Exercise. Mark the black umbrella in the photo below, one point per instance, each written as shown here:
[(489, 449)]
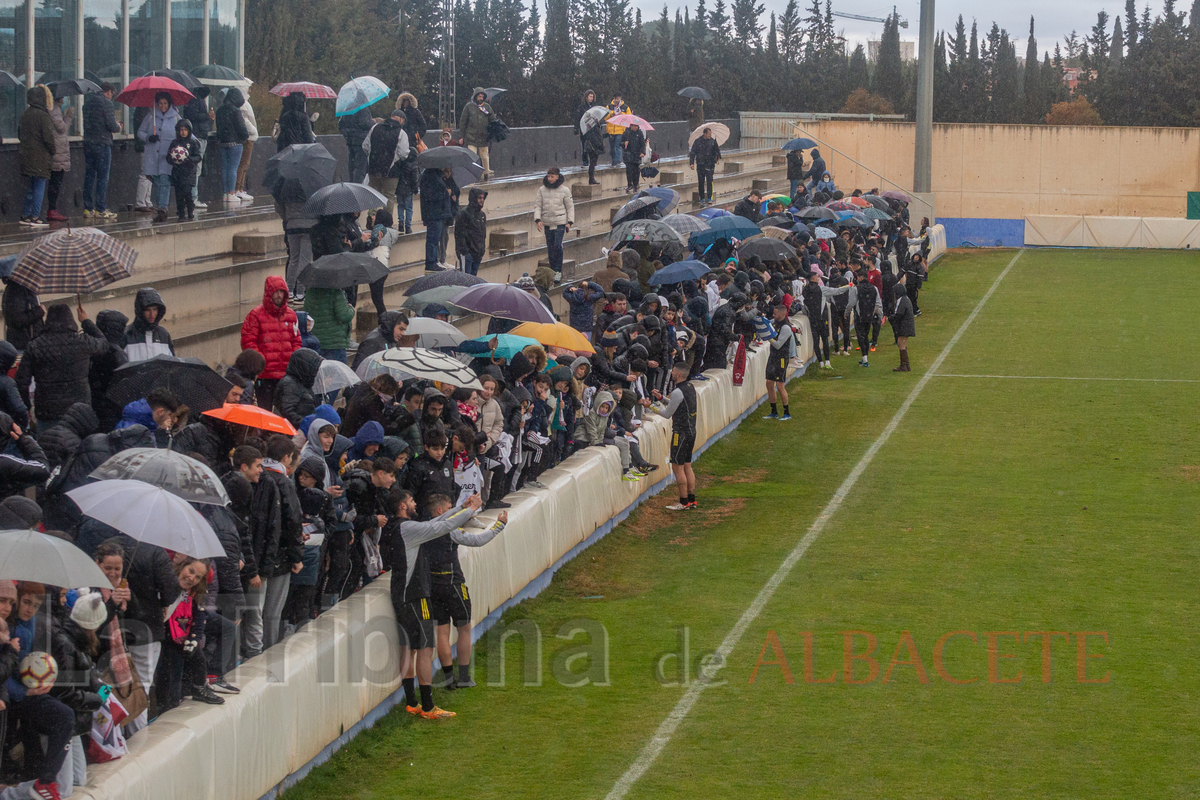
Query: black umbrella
[(645, 207), (816, 212), (340, 270), (185, 79), (777, 221), (193, 382), (72, 86), (694, 93), (447, 277), (493, 92), (766, 248), (344, 198), (878, 202), (463, 164), (291, 176), (645, 230)]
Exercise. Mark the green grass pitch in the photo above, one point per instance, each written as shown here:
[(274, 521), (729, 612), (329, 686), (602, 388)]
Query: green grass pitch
[(1000, 507)]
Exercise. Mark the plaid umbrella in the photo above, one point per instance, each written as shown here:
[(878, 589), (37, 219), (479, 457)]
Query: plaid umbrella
[(344, 198), (78, 261), (193, 382), (685, 223), (875, 213), (313, 91)]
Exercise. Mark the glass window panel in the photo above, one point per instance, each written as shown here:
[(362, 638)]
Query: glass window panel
[(187, 33), (146, 36), (13, 50), (223, 33), (102, 42), (54, 40)]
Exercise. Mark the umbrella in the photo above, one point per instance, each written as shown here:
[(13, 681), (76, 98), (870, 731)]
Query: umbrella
[(627, 212), (799, 144), (854, 222), (313, 91), (343, 198), (720, 132), (685, 224), (712, 213), (878, 202), (72, 86), (434, 333), (141, 91), (816, 212), (555, 334), (504, 301), (668, 198), (180, 475), (217, 75), (841, 205), (858, 201), (447, 277), (191, 380), (184, 78), (252, 417), (897, 196), (463, 164), (33, 556), (8, 80), (678, 272), (149, 514), (291, 176), (403, 363), (875, 213), (777, 221), (78, 261), (824, 233), (767, 249), (333, 375), (507, 345), (342, 270), (493, 92), (731, 227), (775, 233), (438, 295), (694, 93), (592, 117), (359, 93), (654, 231), (625, 120), (780, 198)]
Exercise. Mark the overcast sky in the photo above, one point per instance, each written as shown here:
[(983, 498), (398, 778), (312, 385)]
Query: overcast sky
[(1054, 19)]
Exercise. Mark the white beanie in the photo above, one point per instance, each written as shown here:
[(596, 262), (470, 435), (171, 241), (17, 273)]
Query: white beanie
[(89, 611)]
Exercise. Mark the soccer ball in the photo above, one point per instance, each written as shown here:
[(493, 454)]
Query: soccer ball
[(38, 670), (177, 154)]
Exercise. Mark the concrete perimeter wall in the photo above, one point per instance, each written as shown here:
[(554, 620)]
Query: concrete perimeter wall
[(1011, 171)]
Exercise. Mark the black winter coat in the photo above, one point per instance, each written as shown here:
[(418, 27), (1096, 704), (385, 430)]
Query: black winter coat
[(59, 359), (291, 533), (62, 440), (196, 113), (100, 376), (18, 474), (633, 146), (426, 477), (470, 228), (99, 119), (705, 153), (294, 396), (206, 438), (231, 125), (902, 319), (748, 209), (78, 682), (10, 399), (23, 314), (355, 127), (225, 525), (379, 339), (795, 165), (153, 586), (366, 499), (294, 125), (435, 197)]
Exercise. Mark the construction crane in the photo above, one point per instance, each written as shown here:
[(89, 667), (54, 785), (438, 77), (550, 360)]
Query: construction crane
[(845, 15)]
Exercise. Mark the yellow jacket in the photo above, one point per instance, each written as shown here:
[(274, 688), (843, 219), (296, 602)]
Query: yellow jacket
[(616, 130)]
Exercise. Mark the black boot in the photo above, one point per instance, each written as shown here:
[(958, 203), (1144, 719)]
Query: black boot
[(207, 695)]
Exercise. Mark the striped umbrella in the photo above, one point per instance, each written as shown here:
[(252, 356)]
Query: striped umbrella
[(73, 261), (313, 91)]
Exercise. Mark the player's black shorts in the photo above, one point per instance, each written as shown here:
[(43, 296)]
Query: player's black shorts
[(777, 367), (416, 624), (451, 603), (681, 447)]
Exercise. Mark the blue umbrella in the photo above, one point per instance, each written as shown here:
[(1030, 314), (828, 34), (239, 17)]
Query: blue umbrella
[(731, 227), (667, 198), (360, 93), (507, 345), (713, 213), (678, 272), (800, 144)]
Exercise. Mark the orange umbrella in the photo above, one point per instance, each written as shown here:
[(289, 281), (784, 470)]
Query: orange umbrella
[(555, 334), (252, 417), (858, 201)]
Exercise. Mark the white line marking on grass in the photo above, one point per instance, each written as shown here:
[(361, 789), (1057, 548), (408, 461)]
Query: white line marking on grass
[(1070, 378), (667, 728)]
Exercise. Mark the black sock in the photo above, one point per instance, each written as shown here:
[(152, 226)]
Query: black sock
[(773, 409), (410, 691), (786, 413), (691, 498), (464, 673), (426, 697), (448, 671)]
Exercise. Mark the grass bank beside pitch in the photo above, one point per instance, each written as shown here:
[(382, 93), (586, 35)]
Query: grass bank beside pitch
[(970, 518)]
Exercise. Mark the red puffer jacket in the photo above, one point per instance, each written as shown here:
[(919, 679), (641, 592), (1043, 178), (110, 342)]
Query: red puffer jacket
[(272, 331)]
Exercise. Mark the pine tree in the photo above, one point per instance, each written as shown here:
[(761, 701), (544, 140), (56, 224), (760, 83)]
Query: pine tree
[(1033, 80), (942, 94), (858, 74), (718, 25), (747, 29), (1131, 25), (789, 34), (888, 81)]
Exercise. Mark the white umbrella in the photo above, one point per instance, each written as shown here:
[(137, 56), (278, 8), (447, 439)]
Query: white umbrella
[(403, 363), (719, 132), (33, 556), (149, 514), (333, 375), (592, 117), (434, 333)]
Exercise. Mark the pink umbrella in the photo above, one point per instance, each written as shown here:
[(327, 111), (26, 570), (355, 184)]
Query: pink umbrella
[(899, 196), (313, 91), (625, 120)]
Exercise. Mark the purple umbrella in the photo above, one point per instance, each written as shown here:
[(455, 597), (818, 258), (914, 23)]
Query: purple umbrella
[(894, 195), (507, 302)]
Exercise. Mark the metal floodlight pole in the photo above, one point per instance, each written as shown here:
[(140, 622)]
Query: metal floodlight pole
[(923, 157)]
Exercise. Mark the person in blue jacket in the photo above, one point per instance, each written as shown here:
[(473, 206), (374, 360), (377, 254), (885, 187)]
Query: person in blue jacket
[(582, 299)]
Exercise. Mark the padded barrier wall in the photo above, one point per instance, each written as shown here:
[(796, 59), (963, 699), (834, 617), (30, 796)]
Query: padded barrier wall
[(967, 232), (304, 698), (1170, 233)]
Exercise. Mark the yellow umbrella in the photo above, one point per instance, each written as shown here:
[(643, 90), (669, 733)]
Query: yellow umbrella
[(555, 334)]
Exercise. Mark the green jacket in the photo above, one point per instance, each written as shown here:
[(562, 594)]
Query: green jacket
[(473, 121), (36, 132), (331, 317)]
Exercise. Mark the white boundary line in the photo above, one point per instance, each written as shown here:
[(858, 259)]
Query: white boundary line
[(667, 728), (1070, 378)]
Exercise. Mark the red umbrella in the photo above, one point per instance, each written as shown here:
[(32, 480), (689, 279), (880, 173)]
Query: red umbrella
[(313, 91), (841, 205), (858, 201), (140, 92)]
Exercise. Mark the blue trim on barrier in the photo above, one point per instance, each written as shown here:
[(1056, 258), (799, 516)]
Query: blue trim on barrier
[(983, 232), (531, 590)]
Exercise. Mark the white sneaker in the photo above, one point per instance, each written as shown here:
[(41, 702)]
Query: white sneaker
[(200, 204), (106, 214), (246, 196), (229, 197)]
